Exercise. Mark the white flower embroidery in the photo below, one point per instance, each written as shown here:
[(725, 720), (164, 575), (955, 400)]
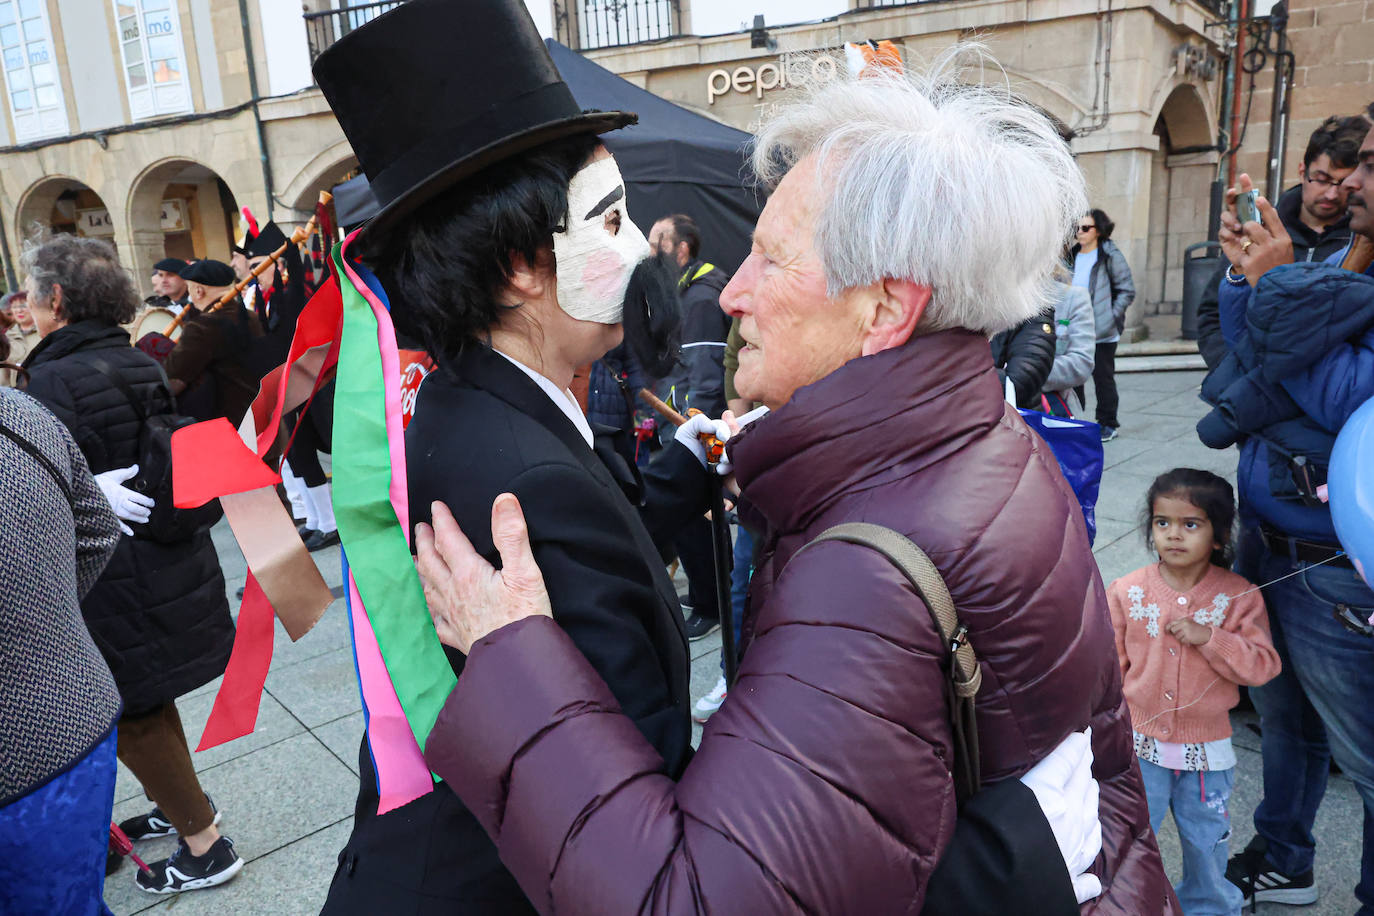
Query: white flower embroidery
[(1215, 615), (1149, 613)]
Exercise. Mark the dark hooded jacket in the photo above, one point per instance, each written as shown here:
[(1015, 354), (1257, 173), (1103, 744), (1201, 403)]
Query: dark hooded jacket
[(698, 380), (159, 612), (1024, 356), (823, 784)]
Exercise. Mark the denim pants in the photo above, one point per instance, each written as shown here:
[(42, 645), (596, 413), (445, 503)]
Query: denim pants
[(1200, 802), (1319, 707), (739, 581)]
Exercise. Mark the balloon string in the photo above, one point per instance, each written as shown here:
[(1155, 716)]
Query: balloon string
[(1290, 575), (1138, 725)]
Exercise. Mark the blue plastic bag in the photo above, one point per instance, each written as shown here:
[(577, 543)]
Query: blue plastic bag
[(1077, 446)]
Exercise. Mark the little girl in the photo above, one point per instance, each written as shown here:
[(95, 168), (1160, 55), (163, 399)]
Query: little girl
[(1187, 632)]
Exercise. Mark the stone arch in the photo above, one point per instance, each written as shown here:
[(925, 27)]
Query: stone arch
[(202, 225), (1181, 172), (1186, 115), (324, 170), (61, 203)]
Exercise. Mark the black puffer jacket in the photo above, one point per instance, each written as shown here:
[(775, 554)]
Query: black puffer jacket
[(159, 612), (1024, 356)]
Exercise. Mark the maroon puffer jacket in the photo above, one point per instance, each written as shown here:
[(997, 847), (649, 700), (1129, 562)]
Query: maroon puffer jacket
[(823, 784)]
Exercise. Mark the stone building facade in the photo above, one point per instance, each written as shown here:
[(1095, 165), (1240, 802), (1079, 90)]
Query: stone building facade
[(1138, 82), (135, 121), (1333, 68)]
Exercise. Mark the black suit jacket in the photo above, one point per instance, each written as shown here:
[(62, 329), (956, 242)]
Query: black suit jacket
[(482, 428)]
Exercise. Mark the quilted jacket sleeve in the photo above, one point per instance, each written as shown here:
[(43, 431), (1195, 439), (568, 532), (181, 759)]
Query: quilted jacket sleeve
[(1123, 285), (1312, 326), (1332, 390), (1074, 364), (97, 529), (821, 786)]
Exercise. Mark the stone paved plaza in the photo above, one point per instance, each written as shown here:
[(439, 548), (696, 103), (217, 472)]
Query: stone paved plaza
[(287, 790)]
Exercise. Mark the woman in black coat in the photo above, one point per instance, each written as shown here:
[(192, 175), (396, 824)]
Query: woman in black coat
[(159, 612)]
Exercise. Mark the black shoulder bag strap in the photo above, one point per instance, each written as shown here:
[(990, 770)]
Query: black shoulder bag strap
[(965, 676), (42, 459)]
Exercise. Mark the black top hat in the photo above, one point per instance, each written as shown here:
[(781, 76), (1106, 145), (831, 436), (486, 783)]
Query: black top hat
[(265, 242), (433, 91)]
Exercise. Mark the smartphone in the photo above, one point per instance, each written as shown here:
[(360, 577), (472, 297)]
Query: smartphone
[(1246, 210)]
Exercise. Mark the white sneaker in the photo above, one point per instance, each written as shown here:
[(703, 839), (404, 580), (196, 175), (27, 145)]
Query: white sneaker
[(709, 703)]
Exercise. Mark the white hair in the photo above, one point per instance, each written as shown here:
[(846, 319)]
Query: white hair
[(962, 188)]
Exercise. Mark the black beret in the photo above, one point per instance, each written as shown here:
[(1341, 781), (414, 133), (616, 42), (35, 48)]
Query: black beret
[(170, 265), (267, 241), (208, 273)]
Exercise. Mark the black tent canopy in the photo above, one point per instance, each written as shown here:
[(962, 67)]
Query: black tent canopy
[(674, 161)]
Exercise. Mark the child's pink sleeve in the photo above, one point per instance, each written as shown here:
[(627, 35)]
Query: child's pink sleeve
[(1119, 625), (1241, 649)]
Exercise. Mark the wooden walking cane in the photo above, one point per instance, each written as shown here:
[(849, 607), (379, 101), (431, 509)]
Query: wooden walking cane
[(301, 234), (720, 533)]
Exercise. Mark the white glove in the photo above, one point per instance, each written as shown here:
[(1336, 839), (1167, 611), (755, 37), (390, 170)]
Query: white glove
[(702, 425), (127, 504), (1064, 786)]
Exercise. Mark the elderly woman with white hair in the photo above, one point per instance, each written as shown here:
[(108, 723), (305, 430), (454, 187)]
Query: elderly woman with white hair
[(887, 255)]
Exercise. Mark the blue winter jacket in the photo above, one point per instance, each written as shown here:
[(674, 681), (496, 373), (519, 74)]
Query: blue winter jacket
[(1300, 360)]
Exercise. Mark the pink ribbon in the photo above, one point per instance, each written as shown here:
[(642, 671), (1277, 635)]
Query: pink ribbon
[(402, 775)]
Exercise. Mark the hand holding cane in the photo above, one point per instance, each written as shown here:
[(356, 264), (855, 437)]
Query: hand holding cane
[(721, 552)]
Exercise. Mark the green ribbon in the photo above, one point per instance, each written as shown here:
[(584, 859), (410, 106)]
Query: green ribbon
[(378, 555)]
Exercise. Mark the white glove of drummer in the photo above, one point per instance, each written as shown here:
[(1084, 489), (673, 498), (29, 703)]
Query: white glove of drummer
[(702, 425), (128, 505), (1064, 786)]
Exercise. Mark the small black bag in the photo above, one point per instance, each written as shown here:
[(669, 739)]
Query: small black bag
[(167, 524)]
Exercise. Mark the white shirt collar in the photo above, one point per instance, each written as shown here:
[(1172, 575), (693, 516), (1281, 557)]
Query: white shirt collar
[(564, 399)]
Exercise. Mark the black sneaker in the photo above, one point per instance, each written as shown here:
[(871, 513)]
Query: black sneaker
[(1261, 882), (1108, 433), (155, 824), (318, 540), (699, 626), (185, 872)]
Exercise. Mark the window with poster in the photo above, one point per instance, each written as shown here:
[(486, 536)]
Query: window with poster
[(154, 64), (34, 89)]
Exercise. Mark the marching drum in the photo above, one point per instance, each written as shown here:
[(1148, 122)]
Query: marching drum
[(153, 320), (148, 332)]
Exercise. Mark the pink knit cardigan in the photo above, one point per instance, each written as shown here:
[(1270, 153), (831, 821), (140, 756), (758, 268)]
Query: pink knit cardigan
[(1180, 693)]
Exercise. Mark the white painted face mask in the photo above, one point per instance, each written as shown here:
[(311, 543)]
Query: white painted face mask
[(594, 267)]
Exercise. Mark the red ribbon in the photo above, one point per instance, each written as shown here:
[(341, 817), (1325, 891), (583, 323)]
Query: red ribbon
[(235, 712), (210, 460)]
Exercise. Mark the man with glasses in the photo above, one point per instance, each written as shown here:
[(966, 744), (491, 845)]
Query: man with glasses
[(1299, 360), (1313, 211)]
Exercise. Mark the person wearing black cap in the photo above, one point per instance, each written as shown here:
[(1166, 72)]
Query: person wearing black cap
[(169, 287), (503, 242), (278, 296), (209, 369)]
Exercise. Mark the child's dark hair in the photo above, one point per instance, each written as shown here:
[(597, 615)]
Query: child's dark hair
[(1210, 493)]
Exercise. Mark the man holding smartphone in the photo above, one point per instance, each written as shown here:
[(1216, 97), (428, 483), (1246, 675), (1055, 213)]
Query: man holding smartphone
[(1298, 361), (1313, 213)]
